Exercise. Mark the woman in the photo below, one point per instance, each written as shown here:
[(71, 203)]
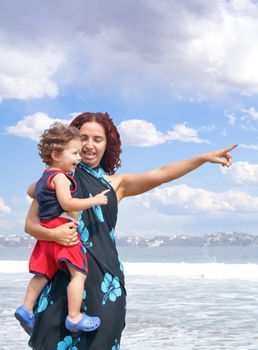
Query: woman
[(105, 292)]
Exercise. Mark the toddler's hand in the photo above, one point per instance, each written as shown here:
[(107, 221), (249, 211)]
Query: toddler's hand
[(101, 198)]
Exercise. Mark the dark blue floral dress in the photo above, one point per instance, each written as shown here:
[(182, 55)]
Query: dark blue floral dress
[(104, 294)]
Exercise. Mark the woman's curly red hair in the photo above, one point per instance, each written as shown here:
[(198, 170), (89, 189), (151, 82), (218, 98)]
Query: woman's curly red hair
[(110, 161)]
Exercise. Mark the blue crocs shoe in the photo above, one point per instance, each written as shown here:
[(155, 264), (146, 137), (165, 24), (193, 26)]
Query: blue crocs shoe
[(25, 318), (86, 324)]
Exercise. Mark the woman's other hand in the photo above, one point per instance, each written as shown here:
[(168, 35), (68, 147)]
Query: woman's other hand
[(66, 234)]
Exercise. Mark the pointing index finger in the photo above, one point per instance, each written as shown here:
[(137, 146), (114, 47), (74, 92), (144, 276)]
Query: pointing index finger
[(229, 149), (104, 192)]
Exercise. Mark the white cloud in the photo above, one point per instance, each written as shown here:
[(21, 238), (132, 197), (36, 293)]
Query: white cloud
[(32, 126), (138, 132), (21, 201), (181, 132), (251, 112), (27, 73), (242, 173), (251, 146), (4, 209), (194, 49), (184, 200), (231, 118)]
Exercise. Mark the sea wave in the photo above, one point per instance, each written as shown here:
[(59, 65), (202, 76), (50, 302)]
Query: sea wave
[(180, 270), (194, 270)]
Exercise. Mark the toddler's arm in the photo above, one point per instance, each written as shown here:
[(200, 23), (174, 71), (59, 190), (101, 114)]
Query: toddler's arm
[(62, 187)]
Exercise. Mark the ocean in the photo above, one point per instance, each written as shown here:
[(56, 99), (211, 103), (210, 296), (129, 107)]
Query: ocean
[(180, 298)]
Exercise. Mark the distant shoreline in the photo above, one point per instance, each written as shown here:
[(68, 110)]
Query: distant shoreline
[(207, 240)]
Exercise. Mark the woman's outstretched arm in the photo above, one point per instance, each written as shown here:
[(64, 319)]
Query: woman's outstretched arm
[(133, 184), (65, 235)]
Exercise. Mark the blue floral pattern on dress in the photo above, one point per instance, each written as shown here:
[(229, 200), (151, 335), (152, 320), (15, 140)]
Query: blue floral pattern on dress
[(83, 232), (45, 299), (68, 343), (116, 346), (97, 211), (120, 264), (84, 307), (112, 234), (111, 287)]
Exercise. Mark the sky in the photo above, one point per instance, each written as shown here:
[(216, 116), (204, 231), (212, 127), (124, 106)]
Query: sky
[(178, 78)]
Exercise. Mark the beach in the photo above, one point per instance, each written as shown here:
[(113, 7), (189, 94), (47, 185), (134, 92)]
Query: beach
[(170, 305)]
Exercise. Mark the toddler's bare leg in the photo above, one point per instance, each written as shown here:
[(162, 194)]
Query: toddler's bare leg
[(75, 293), (36, 284)]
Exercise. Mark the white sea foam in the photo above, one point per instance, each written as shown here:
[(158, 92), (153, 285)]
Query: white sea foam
[(180, 270), (189, 270), (13, 266)]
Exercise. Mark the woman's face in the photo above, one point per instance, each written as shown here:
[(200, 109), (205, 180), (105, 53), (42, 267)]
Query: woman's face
[(94, 143)]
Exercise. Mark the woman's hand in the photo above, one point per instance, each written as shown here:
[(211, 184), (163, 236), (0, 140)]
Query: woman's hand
[(221, 156), (66, 234)]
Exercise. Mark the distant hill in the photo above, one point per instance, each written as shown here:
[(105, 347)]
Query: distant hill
[(16, 241), (208, 240)]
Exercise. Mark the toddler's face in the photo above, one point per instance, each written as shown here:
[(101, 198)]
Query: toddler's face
[(70, 157)]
